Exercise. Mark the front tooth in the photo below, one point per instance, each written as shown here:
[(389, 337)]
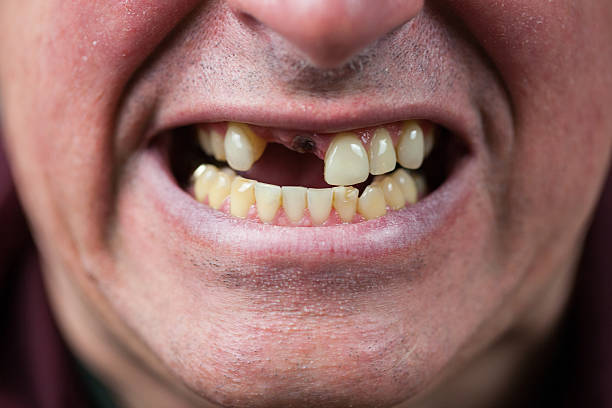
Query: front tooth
[(407, 185), (242, 196), (294, 202), (242, 146), (372, 203), (205, 142), (345, 202), (382, 152), (411, 150), (268, 200), (204, 182), (219, 190), (319, 204), (393, 194), (216, 145), (346, 161)]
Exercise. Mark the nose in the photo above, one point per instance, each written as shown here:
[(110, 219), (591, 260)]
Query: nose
[(329, 32)]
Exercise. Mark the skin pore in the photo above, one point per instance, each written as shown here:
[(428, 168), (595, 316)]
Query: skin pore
[(172, 304)]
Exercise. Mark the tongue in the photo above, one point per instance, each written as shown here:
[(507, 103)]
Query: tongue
[(285, 167)]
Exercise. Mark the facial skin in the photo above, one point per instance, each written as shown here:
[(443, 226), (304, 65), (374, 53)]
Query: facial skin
[(174, 304)]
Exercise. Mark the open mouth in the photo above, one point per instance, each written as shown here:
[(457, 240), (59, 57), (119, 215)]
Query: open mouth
[(296, 178)]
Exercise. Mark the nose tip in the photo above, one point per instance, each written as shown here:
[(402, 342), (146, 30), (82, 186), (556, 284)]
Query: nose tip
[(330, 32)]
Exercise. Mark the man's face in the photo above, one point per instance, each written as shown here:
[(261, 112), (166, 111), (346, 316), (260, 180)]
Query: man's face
[(248, 313)]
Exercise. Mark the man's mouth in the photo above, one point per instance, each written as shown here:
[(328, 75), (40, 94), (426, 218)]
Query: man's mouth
[(297, 178)]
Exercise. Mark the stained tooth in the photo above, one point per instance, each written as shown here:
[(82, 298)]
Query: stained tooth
[(268, 201), (219, 190), (410, 149), (216, 144), (429, 140), (407, 185), (372, 203), (294, 202), (345, 202), (382, 152), (346, 161), (242, 146), (205, 142), (392, 192), (242, 196), (319, 204), (204, 181)]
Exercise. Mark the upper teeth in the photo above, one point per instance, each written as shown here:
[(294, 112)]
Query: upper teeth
[(346, 161)]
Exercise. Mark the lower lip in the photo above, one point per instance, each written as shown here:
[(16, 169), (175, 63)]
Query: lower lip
[(396, 237)]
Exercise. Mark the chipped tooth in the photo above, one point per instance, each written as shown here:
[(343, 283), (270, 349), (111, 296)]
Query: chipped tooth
[(242, 196), (205, 142), (372, 203), (345, 202), (216, 145), (267, 200), (410, 150), (294, 202), (407, 185), (242, 146), (393, 194), (382, 152), (346, 161), (319, 204), (429, 140), (204, 181), (219, 190)]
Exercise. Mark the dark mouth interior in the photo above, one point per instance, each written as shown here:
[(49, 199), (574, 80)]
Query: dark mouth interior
[(282, 166)]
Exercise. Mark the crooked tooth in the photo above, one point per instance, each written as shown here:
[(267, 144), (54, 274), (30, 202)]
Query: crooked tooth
[(294, 202), (392, 192), (267, 200), (411, 149), (382, 152), (346, 161), (345, 202), (242, 146), (204, 139), (219, 190), (217, 145), (372, 203), (319, 204), (204, 178), (242, 196), (407, 185)]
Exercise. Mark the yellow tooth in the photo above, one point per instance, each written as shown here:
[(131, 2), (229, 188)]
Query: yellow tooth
[(372, 203), (429, 140), (407, 185), (205, 142), (242, 146), (242, 196), (216, 145), (346, 161), (410, 150), (319, 204), (294, 202), (219, 190), (345, 202), (421, 184), (204, 181), (382, 152), (268, 201), (228, 171), (393, 194)]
